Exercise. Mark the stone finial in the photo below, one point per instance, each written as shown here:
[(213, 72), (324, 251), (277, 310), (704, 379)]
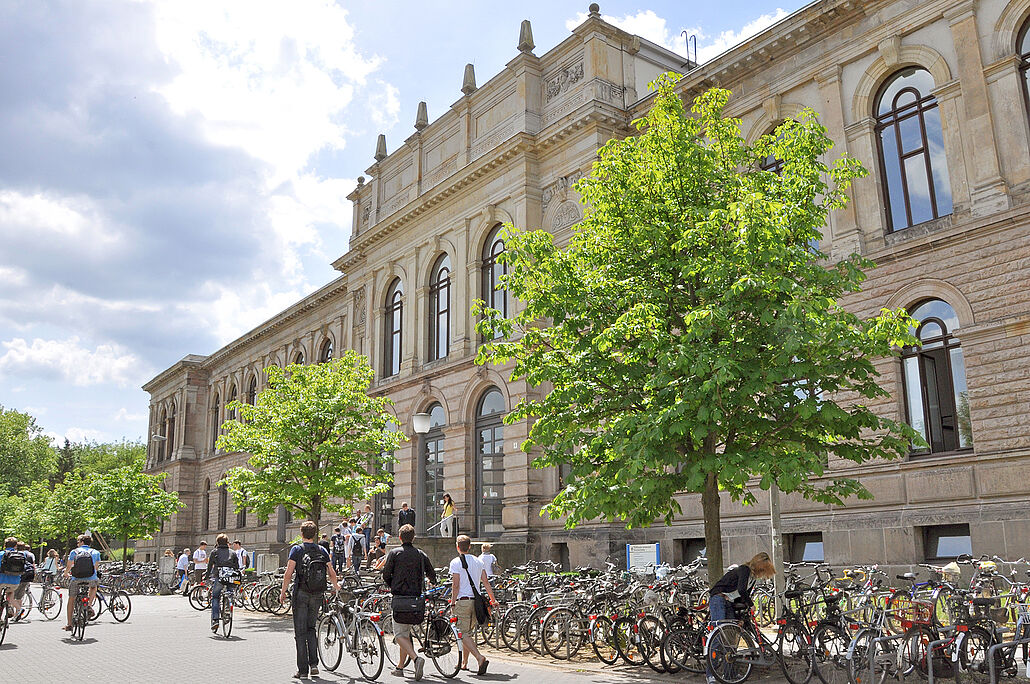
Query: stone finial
[(526, 37), (468, 83), (361, 181), (594, 11), (381, 147), (421, 117)]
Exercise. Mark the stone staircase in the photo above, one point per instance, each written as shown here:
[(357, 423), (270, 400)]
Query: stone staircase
[(441, 550)]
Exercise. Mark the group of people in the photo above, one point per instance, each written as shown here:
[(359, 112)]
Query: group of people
[(200, 562), (353, 543), (18, 569)]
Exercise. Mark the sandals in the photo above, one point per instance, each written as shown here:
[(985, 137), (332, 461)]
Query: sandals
[(482, 667)]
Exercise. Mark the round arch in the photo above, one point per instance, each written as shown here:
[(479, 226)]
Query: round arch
[(766, 123), (424, 401), (932, 288), (476, 387), (909, 55), (488, 220), (333, 348), (1006, 29), (426, 272)]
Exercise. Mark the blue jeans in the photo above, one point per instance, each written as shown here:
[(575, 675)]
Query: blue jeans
[(718, 609), (216, 598), (305, 613)]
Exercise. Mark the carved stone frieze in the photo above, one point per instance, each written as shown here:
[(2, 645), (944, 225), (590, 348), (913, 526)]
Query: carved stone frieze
[(563, 80), (609, 92), (567, 215), (560, 188), (359, 307)]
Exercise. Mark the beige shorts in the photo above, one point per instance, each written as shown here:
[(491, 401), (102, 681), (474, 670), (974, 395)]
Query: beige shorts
[(465, 611), (78, 585), (401, 630)]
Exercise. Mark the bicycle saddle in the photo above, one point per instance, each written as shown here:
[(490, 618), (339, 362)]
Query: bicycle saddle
[(794, 594), (907, 576), (984, 602)]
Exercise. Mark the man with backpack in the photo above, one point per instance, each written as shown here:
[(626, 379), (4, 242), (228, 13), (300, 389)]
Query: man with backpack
[(339, 549), (12, 567), (356, 543), (223, 566), (27, 576), (82, 569), (309, 567)]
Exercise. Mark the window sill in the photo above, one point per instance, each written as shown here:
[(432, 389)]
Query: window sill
[(924, 455), (918, 230)]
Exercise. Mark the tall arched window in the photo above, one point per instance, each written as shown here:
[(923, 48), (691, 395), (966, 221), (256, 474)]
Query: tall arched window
[(1023, 45), (170, 442), (162, 445), (233, 395), (298, 358), (383, 502), (252, 391), (205, 521), (392, 327), (215, 421), (911, 146), (325, 354), (241, 517), (495, 296), (223, 505), (440, 308), (433, 464), (936, 397), (490, 457)]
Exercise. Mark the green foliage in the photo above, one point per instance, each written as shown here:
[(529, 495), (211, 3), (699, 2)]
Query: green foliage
[(25, 452), (97, 458), (69, 510), (317, 440), (28, 520), (691, 331), (128, 503)]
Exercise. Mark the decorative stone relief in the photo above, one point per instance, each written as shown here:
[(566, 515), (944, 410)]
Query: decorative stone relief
[(365, 213), (560, 187), (563, 80), (609, 92), (567, 215), (359, 307)]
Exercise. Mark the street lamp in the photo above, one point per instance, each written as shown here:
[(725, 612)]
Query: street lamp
[(420, 424)]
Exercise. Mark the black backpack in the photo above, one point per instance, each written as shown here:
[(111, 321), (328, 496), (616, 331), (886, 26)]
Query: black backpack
[(82, 567), (358, 545), (13, 562), (314, 571)]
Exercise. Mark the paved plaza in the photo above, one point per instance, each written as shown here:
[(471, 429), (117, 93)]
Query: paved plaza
[(165, 640)]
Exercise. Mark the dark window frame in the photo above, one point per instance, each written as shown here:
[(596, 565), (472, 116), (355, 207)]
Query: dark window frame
[(298, 358), (489, 513), (799, 544), (215, 423), (393, 327), (206, 506), (492, 269), (440, 309), (893, 118), (325, 353), (1024, 65), (223, 506), (932, 536)]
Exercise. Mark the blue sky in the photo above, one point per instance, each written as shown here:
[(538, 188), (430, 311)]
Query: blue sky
[(173, 173)]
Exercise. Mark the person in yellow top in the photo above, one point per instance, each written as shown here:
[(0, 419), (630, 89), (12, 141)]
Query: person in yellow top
[(448, 528)]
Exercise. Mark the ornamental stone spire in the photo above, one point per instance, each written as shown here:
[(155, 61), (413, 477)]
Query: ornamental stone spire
[(468, 84), (381, 148), (421, 117), (526, 37)]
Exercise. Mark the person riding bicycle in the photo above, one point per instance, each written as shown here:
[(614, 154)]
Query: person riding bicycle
[(222, 566), (51, 566), (734, 589), (12, 565), (82, 569), (27, 576)]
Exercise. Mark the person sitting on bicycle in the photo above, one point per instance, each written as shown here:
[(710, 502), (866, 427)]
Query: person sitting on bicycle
[(220, 565), (27, 576), (733, 589), (51, 566), (12, 565), (82, 568)]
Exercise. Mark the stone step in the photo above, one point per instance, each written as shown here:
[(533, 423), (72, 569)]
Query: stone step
[(441, 550)]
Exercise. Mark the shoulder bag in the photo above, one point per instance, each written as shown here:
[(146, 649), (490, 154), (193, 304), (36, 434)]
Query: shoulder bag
[(482, 605), (411, 610)]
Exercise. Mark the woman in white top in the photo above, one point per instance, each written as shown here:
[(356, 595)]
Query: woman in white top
[(489, 561)]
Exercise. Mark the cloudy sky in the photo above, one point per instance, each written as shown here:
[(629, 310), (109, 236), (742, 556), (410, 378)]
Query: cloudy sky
[(173, 173)]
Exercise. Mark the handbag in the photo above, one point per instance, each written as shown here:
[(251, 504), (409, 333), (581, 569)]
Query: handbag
[(481, 604), (411, 610)]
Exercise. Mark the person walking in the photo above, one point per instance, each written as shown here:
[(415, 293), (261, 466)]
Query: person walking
[(324, 541), (489, 560), (200, 562), (735, 587), (221, 557), (405, 516), (241, 553), (182, 571), (365, 520), (467, 574), (358, 550), (404, 571), (338, 544), (309, 567), (447, 526)]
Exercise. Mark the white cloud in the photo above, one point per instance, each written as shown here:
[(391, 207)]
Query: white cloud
[(384, 105), (124, 415), (77, 434), (50, 217), (649, 25), (69, 361)]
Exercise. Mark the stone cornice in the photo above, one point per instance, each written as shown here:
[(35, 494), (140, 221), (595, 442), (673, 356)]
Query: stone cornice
[(191, 361)]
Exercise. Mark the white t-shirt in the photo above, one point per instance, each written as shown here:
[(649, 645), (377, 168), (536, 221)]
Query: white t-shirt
[(183, 563), (200, 559), (475, 569), (488, 560), (241, 554)]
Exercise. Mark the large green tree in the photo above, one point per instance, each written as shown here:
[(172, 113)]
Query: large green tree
[(691, 330), (127, 503), (25, 452), (69, 511), (317, 440)]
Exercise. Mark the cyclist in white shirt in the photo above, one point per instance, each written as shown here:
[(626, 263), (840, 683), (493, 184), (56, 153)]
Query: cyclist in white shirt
[(200, 562), (462, 599)]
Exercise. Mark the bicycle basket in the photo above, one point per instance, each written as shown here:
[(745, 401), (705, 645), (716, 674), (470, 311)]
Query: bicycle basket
[(912, 611)]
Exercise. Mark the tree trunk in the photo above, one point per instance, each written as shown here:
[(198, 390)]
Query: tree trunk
[(125, 550), (713, 527), (316, 512)]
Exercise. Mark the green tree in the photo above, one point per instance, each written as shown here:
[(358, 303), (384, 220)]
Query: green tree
[(25, 452), (317, 440), (28, 521), (96, 458), (68, 510), (691, 330), (127, 503)]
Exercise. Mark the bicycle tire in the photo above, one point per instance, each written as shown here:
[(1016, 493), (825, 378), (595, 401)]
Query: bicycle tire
[(680, 650), (226, 618), (4, 621), (556, 633), (50, 603), (444, 647), (722, 653), (602, 640), (794, 653), (200, 599), (534, 633), (650, 632), (330, 642), (626, 640), (830, 648), (858, 658), (973, 656), (512, 631), (914, 652), (120, 606), (369, 650)]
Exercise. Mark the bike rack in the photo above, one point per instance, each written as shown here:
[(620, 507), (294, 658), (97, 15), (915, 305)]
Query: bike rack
[(993, 649), (872, 652), (929, 650)]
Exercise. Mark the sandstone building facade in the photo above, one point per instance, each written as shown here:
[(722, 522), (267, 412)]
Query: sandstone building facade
[(931, 95)]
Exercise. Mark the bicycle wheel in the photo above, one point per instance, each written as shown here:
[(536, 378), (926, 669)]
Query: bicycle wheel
[(795, 653), (914, 650), (973, 655), (79, 619), (50, 603), (765, 608), (368, 650), (512, 631), (4, 621), (858, 659), (627, 640), (602, 640), (941, 615), (121, 606), (225, 610), (200, 599), (562, 633), (533, 631), (330, 642), (730, 653), (830, 648), (443, 646), (650, 631), (680, 649)]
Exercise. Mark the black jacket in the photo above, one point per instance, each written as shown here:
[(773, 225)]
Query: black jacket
[(735, 585), (404, 568), (221, 557), (405, 518)]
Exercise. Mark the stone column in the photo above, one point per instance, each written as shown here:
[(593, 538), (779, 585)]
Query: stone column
[(958, 147), (988, 192), (1005, 84), (868, 191), (842, 237)]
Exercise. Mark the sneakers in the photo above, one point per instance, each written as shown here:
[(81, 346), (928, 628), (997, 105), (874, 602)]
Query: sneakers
[(420, 666), (214, 627), (712, 679), (313, 672)]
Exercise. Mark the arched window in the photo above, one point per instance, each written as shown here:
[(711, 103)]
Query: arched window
[(241, 517), (298, 358), (206, 507), (233, 395), (911, 146), (162, 445), (325, 354), (252, 392), (433, 464), (383, 502), (936, 397), (440, 308), (1023, 45), (170, 442), (772, 162), (490, 456), (495, 296), (215, 421), (392, 327), (223, 505)]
